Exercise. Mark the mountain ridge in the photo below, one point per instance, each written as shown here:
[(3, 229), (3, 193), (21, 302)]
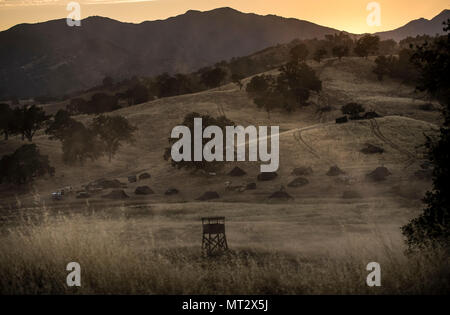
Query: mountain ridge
[(50, 58), (416, 27)]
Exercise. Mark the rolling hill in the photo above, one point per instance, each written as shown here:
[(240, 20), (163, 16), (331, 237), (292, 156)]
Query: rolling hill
[(341, 214), (307, 138), (418, 27), (51, 58)]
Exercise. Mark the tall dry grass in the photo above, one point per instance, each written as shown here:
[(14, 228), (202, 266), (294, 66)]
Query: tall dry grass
[(34, 254)]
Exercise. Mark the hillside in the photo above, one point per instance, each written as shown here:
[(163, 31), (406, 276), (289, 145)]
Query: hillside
[(307, 139), (52, 58), (328, 219), (418, 27)]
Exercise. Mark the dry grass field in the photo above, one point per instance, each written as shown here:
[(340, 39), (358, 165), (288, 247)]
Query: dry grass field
[(126, 251), (318, 242)]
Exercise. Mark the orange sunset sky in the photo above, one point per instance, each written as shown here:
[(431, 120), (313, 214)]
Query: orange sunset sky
[(348, 15)]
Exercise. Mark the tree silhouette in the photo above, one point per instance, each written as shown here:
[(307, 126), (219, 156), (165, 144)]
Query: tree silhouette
[(188, 121), (28, 120), (340, 51), (340, 44), (432, 227), (289, 90), (366, 45), (299, 52), (295, 82), (262, 88), (25, 164), (382, 65), (319, 54), (137, 94), (6, 119), (387, 47), (400, 67), (167, 85), (80, 143), (213, 78), (101, 103), (77, 106), (237, 79), (259, 84), (60, 126), (112, 131)]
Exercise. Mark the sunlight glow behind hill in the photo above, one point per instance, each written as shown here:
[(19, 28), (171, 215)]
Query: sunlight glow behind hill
[(349, 15)]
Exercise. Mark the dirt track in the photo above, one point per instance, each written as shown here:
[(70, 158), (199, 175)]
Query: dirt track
[(377, 133)]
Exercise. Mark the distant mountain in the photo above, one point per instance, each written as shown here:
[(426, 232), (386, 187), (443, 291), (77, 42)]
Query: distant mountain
[(418, 27), (52, 58)]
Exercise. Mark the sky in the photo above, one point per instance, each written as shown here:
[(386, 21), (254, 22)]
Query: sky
[(347, 15)]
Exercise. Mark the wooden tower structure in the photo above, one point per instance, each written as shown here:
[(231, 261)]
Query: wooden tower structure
[(214, 239)]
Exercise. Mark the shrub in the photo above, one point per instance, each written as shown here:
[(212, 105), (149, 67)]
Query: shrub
[(352, 109), (25, 164)]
